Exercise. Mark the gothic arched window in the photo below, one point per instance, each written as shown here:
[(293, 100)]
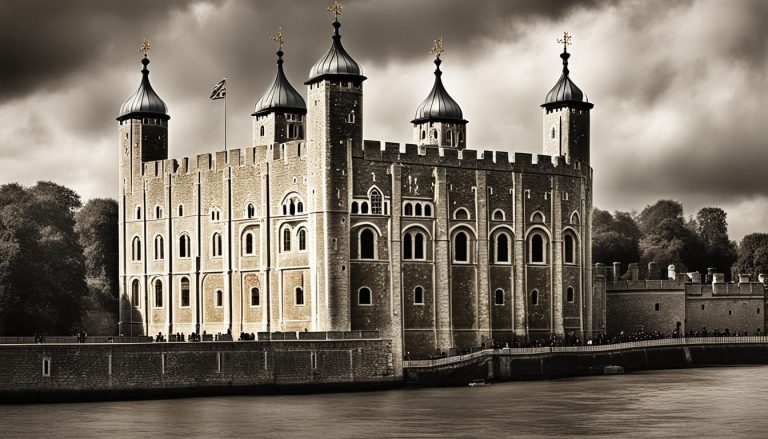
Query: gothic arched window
[(536, 249), (136, 249), (135, 293), (367, 244), (461, 247), (376, 202), (158, 294)]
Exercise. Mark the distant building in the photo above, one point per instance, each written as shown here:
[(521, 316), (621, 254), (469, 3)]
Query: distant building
[(438, 246)]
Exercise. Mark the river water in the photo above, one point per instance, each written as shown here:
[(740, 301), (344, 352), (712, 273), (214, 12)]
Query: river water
[(708, 402)]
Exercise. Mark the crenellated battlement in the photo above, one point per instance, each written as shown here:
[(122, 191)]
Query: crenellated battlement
[(409, 153)]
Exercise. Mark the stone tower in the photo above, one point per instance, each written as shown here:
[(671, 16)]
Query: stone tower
[(143, 131), (566, 118), (439, 120), (279, 115), (334, 128)]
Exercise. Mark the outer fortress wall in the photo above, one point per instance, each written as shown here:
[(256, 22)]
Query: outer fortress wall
[(120, 370)]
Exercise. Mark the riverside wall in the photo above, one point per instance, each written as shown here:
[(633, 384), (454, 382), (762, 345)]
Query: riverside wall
[(46, 372)]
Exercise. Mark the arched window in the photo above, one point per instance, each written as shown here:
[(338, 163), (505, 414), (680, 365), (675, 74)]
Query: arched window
[(219, 298), (248, 243), (299, 207), (184, 291), (423, 134), (286, 240), (537, 217), (292, 208), (498, 297), (159, 248), (138, 212), (250, 211), (184, 246), (502, 248), (575, 218), (418, 246), (434, 134), (408, 209), (418, 296), (216, 245), (535, 297), (364, 207), (303, 239), (158, 212), (449, 137), (460, 247), (364, 296), (367, 244), (136, 249), (299, 296), (135, 293), (569, 296), (417, 209), (261, 130), (407, 246), (158, 293), (569, 248), (536, 249), (254, 296), (461, 214), (427, 210), (375, 202), (354, 207), (498, 215), (351, 117), (181, 210), (553, 133)]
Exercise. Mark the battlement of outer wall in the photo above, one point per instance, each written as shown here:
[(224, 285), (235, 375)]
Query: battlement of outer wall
[(430, 155), (692, 283)]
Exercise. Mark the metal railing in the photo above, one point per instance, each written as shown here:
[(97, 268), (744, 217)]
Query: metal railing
[(640, 344), (74, 339)]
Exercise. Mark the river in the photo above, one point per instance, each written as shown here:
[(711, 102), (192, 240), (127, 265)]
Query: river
[(706, 402)]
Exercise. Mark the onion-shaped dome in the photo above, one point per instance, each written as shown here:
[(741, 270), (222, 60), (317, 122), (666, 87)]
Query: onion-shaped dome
[(565, 91), (280, 96), (336, 62), (439, 106), (144, 101)]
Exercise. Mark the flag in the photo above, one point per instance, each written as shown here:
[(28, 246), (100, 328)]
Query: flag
[(220, 91)]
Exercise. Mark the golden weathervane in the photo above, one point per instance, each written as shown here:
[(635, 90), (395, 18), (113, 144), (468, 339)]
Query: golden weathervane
[(278, 37), (437, 47), (144, 47), (565, 41), (335, 8)]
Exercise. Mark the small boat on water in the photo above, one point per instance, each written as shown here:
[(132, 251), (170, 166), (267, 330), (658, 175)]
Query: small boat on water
[(613, 370), (479, 383)]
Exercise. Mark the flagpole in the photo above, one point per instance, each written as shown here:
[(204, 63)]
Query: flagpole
[(225, 116)]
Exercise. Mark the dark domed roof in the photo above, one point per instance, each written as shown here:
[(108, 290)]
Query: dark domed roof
[(280, 95), (336, 62), (439, 106), (144, 101), (565, 91)]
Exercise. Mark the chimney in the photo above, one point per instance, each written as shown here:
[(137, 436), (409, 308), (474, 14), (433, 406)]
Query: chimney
[(617, 271), (671, 272), (695, 277), (634, 271), (653, 271), (710, 274), (743, 279), (718, 278)]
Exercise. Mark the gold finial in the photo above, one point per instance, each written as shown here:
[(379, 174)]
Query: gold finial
[(144, 47), (437, 47), (278, 36), (335, 8), (565, 41)]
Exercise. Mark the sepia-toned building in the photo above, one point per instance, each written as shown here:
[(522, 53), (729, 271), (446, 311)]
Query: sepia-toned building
[(311, 228)]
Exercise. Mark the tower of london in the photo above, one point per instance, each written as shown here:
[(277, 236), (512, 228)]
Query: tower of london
[(436, 245)]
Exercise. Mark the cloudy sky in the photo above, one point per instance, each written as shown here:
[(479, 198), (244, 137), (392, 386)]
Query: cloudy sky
[(680, 87)]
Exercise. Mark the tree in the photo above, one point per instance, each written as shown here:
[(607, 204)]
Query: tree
[(666, 238), (753, 254), (615, 237), (96, 227), (712, 230), (653, 215)]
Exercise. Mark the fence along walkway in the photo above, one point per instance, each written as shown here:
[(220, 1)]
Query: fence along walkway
[(686, 341)]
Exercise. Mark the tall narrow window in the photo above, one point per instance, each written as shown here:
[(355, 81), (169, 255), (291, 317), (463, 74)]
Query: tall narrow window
[(364, 296), (250, 211), (407, 246), (135, 293), (158, 212), (569, 295), (184, 291), (184, 247), (367, 244), (261, 130), (418, 296), (136, 249), (249, 243), (418, 247), (219, 298), (302, 239), (364, 207), (158, 293), (354, 207), (299, 207), (286, 240), (534, 297), (427, 210), (569, 249), (461, 247), (498, 297), (138, 212), (254, 296), (417, 209), (181, 210), (502, 248), (299, 296), (537, 251), (553, 133), (375, 202), (408, 209), (216, 245), (159, 248)]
